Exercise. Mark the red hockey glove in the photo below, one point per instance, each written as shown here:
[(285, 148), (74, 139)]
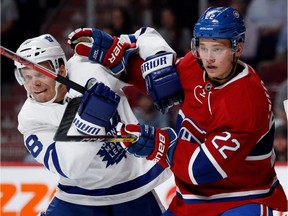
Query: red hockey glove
[(102, 48), (154, 144)]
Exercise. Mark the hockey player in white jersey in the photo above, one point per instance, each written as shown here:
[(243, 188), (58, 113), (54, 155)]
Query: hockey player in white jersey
[(95, 178)]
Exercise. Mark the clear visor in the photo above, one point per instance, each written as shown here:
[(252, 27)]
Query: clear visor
[(194, 47), (19, 76), (202, 51), (21, 79)]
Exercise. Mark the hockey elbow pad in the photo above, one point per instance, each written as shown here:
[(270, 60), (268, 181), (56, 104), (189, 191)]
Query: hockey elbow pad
[(162, 81)]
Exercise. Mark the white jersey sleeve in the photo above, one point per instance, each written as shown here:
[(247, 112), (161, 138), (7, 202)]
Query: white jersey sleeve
[(145, 38), (38, 123)]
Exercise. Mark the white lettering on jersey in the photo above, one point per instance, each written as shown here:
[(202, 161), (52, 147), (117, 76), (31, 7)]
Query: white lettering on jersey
[(268, 98), (225, 147)]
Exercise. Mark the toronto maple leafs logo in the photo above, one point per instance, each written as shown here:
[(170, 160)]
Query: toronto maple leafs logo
[(111, 152)]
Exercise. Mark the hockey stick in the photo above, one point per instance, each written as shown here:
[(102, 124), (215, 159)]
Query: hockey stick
[(72, 107), (15, 57), (67, 119)]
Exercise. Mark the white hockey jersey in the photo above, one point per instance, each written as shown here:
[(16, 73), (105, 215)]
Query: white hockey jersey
[(90, 173)]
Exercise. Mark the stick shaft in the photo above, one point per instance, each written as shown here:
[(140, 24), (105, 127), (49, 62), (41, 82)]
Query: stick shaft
[(15, 57), (96, 138)]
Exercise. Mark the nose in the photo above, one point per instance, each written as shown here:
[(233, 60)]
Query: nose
[(210, 55), (36, 81)]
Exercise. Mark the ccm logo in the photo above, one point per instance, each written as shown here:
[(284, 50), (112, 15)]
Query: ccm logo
[(117, 49), (161, 148)]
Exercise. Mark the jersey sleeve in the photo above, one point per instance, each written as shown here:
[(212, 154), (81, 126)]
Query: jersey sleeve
[(38, 124), (148, 41)]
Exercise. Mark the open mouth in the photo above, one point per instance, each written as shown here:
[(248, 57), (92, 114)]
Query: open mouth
[(211, 67)]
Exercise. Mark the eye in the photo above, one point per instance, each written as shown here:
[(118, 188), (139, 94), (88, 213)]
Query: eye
[(203, 49), (218, 49), (40, 75), (27, 77)]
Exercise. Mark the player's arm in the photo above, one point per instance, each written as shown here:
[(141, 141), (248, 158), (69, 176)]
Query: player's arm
[(68, 159), (198, 158), (232, 142), (161, 78)]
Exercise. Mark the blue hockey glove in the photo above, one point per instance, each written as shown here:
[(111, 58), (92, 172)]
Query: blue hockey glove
[(162, 81), (99, 104), (102, 48), (152, 143)]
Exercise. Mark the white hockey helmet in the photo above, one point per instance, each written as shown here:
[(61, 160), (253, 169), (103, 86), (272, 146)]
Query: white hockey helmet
[(40, 49)]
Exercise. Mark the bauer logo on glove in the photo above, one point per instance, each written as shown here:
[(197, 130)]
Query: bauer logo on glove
[(103, 48), (152, 143)]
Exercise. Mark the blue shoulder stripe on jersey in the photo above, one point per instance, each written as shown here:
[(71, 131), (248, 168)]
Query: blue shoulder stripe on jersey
[(227, 198), (265, 145), (124, 187), (132, 38), (55, 160), (203, 170), (143, 30), (179, 121)]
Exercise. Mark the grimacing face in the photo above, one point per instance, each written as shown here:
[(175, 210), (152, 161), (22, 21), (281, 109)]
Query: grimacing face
[(40, 86), (217, 56)]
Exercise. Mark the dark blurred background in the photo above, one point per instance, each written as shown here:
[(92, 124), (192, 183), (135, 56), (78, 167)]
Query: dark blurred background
[(265, 48)]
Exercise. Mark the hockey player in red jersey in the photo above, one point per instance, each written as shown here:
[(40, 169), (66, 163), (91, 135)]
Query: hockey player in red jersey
[(222, 157)]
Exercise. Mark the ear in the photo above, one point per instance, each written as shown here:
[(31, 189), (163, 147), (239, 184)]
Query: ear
[(62, 71), (239, 50)]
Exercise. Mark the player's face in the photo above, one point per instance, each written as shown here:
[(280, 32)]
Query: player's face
[(41, 87), (217, 57)]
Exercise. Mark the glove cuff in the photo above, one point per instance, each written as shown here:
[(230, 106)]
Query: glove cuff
[(156, 62), (86, 127)]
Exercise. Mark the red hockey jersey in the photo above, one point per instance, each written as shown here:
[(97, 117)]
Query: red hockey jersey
[(224, 157)]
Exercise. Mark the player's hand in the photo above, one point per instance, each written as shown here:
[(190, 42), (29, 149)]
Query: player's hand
[(102, 48), (162, 81), (99, 104), (152, 143)]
